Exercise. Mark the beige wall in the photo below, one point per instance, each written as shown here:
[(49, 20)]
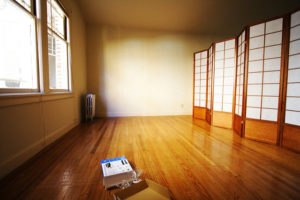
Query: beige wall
[(29, 123), (141, 73)]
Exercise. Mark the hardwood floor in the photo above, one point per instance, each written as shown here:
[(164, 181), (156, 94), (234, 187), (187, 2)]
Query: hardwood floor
[(192, 159)]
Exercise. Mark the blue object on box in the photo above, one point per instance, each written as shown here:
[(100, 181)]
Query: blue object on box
[(112, 159)]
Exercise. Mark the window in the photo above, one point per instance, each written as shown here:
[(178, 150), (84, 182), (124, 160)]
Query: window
[(20, 34), (224, 75), (58, 45), (264, 70), (18, 50), (200, 78)]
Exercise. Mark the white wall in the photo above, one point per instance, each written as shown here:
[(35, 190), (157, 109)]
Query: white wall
[(141, 73)]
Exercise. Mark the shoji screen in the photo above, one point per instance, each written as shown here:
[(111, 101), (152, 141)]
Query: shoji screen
[(209, 83), (200, 80), (224, 74), (291, 131), (241, 50), (265, 46)]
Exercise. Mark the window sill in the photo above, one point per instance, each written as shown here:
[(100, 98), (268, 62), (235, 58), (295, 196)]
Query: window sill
[(27, 98)]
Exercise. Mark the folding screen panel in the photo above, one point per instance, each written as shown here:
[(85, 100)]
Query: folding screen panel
[(200, 83), (239, 88), (263, 90), (209, 84), (291, 127), (223, 84), (253, 82)]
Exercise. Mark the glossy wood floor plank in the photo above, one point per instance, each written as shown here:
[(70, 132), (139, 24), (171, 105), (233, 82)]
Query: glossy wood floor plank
[(191, 158)]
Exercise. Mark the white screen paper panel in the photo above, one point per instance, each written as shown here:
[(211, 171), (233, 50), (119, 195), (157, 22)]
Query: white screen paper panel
[(240, 74), (292, 114), (265, 45), (200, 78), (210, 67), (224, 75)]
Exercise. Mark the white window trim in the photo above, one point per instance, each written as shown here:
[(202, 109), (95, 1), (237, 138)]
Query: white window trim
[(12, 96)]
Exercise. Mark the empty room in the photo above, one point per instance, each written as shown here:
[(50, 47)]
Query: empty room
[(140, 99)]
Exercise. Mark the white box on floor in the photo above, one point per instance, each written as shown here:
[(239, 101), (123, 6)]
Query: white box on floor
[(116, 170)]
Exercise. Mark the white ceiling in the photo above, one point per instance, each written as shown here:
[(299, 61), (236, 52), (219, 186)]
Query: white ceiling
[(191, 16)]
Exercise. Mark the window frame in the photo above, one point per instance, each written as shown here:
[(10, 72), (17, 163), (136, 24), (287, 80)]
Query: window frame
[(32, 13), (65, 39), (39, 13)]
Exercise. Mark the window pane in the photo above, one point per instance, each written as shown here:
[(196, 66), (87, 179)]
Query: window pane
[(25, 3), (271, 89), (49, 14), (294, 75), (217, 106), (270, 102), (292, 118), (202, 103), (18, 64), (295, 18), (294, 61), (253, 113), (256, 42), (272, 64), (274, 25), (293, 90), (58, 70), (274, 38), (55, 17), (227, 107), (269, 114), (227, 99), (219, 55), (204, 62), (293, 104), (294, 47), (219, 46), (272, 77), (255, 78), (256, 54), (257, 30), (255, 66), (295, 33), (229, 62), (254, 89), (254, 101), (273, 51)]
